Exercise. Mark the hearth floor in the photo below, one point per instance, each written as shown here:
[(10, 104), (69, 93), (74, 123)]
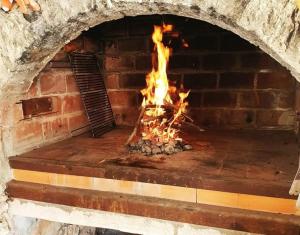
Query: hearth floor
[(241, 169)]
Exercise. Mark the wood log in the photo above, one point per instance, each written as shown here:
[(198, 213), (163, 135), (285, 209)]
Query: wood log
[(136, 126)]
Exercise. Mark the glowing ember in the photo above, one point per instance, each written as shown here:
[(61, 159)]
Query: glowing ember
[(164, 105)]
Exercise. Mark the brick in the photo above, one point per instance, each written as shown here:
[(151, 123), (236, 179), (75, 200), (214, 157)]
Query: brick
[(126, 116), (100, 61), (55, 128), (219, 61), (133, 45), (277, 80), (28, 133), (111, 81), (184, 62), (175, 78), (143, 26), (74, 45), (195, 99), (286, 100), (200, 81), (123, 98), (256, 99), (275, 118), (259, 61), (236, 80), (110, 46), (52, 82), (203, 43), (232, 42), (71, 84), (90, 44), (34, 89), (78, 121), (240, 118), (72, 103), (57, 105), (115, 28), (61, 56), (118, 63), (189, 26), (206, 118), (132, 80), (219, 99), (143, 63)]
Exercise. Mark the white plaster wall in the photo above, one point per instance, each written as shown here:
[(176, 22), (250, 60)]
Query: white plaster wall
[(110, 220)]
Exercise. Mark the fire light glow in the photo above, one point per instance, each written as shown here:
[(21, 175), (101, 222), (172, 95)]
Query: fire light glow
[(164, 104)]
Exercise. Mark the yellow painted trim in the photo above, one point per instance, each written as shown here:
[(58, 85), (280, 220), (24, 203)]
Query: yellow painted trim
[(210, 197), (109, 185), (247, 201)]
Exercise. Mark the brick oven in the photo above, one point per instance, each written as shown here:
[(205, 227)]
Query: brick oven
[(243, 125)]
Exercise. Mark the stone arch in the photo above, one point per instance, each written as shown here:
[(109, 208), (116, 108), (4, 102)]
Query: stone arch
[(28, 43)]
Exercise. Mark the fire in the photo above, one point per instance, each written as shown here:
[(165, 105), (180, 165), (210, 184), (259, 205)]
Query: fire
[(163, 103)]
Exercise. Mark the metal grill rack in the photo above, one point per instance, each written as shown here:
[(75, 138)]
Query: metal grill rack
[(93, 92)]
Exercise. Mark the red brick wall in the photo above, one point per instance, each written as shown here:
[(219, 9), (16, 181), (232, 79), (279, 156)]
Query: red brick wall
[(56, 80), (233, 84)]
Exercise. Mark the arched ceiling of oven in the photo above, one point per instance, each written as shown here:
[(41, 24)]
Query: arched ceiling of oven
[(28, 43)]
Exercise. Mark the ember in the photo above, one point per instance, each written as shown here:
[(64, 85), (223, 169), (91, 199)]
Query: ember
[(163, 108)]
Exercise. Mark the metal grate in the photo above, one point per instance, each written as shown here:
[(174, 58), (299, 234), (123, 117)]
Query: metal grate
[(93, 92)]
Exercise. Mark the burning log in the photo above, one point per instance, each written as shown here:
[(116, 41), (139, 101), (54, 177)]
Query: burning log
[(163, 108), (152, 143)]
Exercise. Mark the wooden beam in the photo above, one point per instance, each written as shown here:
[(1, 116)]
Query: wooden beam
[(199, 214), (187, 194)]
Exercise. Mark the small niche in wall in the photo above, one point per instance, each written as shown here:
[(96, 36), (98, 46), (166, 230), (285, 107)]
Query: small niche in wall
[(37, 106)]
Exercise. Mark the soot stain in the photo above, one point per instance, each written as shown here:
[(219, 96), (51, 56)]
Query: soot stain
[(133, 163)]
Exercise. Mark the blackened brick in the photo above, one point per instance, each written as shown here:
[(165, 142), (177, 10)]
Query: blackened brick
[(219, 99), (141, 25), (200, 81), (259, 61), (203, 43), (132, 80), (117, 63), (195, 99), (115, 28), (286, 99), (143, 62), (241, 118), (232, 42), (206, 118), (110, 46), (184, 62), (257, 99), (271, 118), (237, 80), (189, 26), (275, 80), (219, 61), (133, 45)]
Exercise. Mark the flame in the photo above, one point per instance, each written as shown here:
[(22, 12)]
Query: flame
[(159, 95)]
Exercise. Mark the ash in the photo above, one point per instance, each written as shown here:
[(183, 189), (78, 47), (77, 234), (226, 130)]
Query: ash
[(148, 147)]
